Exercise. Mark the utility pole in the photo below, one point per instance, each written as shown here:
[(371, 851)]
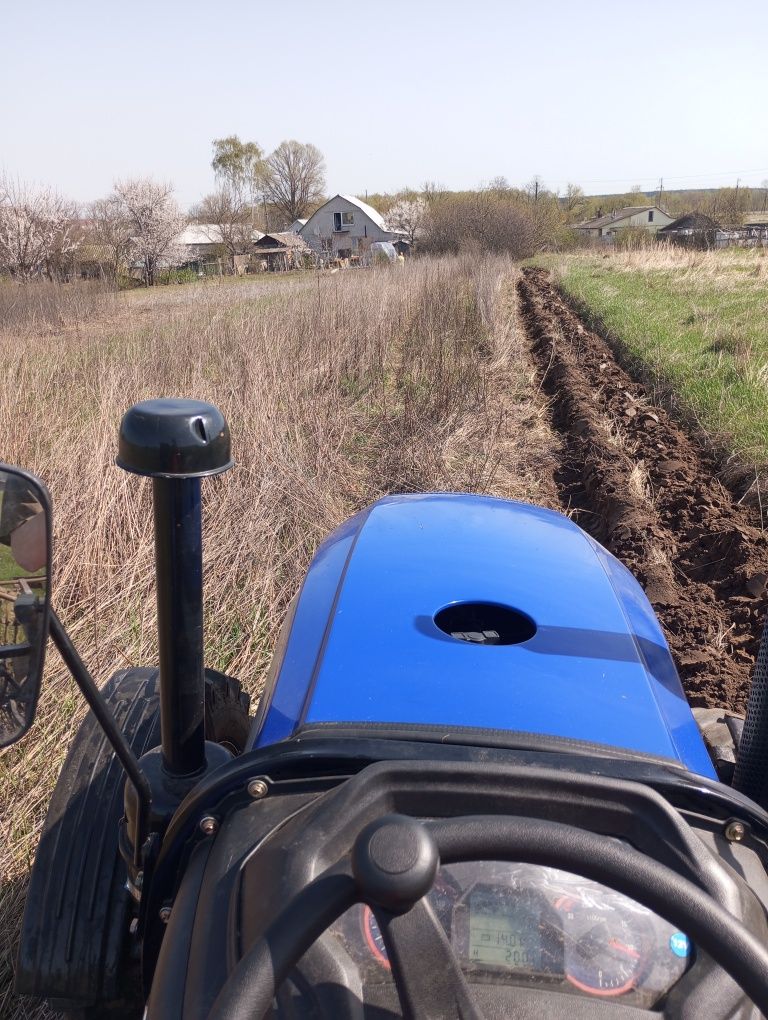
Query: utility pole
[(536, 190), (661, 191)]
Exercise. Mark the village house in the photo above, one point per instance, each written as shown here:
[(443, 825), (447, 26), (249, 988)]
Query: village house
[(345, 228), (203, 242), (605, 228)]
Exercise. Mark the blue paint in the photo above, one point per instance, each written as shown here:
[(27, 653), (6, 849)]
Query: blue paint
[(310, 624), (680, 944), (364, 645)]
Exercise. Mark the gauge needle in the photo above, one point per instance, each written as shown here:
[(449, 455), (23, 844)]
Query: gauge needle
[(627, 950)]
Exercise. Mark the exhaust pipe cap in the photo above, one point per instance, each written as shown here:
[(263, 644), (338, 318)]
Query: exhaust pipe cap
[(174, 438)]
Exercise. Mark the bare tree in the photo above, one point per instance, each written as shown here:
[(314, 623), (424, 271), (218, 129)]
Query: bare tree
[(108, 230), (574, 197), (228, 213), (294, 178), (433, 190), (409, 216), (154, 221), (499, 184), (534, 188), (37, 229)]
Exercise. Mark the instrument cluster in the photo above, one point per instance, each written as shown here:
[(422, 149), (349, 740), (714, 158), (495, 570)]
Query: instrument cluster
[(527, 924)]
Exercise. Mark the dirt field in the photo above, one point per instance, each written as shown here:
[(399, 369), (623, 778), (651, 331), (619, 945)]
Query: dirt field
[(639, 485)]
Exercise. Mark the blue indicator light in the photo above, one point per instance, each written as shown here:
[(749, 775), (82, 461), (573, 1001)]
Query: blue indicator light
[(680, 944)]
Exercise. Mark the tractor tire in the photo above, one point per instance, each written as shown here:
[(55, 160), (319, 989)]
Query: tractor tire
[(226, 723), (226, 712)]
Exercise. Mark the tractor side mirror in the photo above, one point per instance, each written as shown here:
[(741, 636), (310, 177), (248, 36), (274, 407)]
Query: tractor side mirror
[(25, 585)]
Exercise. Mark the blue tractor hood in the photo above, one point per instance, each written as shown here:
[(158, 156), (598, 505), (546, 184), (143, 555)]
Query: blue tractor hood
[(371, 636)]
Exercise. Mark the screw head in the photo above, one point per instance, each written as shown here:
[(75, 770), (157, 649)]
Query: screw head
[(257, 789), (735, 831), (209, 825), (165, 914)]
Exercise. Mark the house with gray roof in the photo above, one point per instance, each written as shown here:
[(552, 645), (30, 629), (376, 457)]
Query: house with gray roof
[(605, 228), (345, 228)]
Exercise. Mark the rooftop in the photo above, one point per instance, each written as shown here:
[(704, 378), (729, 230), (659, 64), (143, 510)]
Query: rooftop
[(282, 239), (619, 214), (691, 221)]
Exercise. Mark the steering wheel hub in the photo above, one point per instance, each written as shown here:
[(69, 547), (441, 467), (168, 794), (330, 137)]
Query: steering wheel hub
[(394, 862)]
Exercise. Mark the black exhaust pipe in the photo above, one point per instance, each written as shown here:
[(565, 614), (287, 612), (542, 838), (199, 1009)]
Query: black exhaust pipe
[(177, 443)]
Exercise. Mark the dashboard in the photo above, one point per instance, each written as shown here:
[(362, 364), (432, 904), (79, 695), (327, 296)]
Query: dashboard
[(521, 924)]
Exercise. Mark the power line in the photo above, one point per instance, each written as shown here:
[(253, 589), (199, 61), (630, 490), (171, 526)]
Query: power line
[(672, 177)]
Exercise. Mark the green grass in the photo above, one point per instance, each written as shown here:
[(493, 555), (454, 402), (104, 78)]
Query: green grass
[(697, 323)]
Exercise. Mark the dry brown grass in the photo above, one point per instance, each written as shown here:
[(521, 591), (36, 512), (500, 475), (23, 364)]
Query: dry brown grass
[(337, 390)]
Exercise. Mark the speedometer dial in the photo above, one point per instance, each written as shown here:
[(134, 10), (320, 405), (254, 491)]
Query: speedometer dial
[(606, 944), (442, 896)]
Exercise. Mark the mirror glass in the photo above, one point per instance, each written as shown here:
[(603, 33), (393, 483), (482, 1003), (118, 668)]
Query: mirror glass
[(25, 547)]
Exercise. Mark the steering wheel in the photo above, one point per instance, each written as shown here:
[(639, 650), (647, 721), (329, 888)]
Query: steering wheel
[(392, 866)]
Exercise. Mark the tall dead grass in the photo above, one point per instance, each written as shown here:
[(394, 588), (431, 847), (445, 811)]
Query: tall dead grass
[(724, 267), (45, 304), (337, 390)]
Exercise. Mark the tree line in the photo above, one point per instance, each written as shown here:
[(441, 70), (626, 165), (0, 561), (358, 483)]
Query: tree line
[(43, 235)]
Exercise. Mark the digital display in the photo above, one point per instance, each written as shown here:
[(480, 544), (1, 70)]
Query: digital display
[(501, 933)]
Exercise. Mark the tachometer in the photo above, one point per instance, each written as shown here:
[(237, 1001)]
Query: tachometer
[(374, 939), (607, 943), (443, 896)]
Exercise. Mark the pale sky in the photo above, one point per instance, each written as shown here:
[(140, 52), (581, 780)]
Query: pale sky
[(394, 92)]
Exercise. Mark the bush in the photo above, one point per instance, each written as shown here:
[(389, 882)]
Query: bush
[(186, 275), (497, 221)]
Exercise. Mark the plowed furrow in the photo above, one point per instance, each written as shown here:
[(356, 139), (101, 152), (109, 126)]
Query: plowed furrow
[(636, 482)]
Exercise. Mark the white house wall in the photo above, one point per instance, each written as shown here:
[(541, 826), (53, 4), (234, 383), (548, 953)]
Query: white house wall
[(356, 238), (660, 219)]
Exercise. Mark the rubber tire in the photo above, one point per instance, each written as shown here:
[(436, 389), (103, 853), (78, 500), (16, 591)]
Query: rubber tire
[(226, 711), (226, 722)]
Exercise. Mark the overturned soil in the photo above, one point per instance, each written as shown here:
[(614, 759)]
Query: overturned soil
[(649, 493)]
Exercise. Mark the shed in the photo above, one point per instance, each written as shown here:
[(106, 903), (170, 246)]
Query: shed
[(694, 230), (281, 250)]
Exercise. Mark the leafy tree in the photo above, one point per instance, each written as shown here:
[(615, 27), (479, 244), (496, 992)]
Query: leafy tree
[(238, 165), (294, 178), (37, 229), (153, 221)]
